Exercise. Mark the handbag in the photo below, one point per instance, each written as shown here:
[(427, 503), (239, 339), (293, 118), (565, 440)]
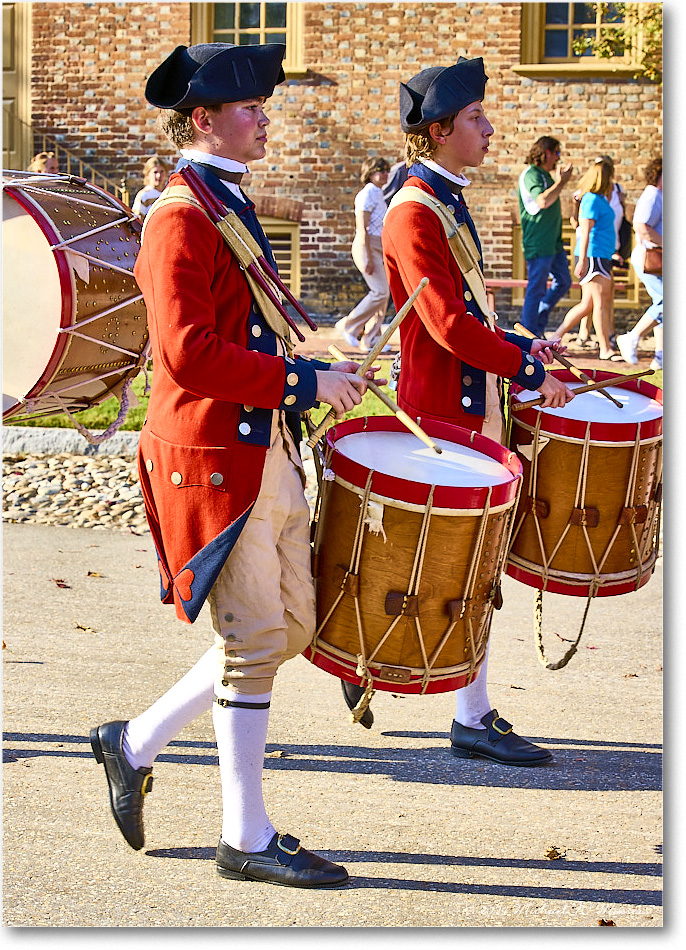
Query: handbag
[(624, 235), (653, 261)]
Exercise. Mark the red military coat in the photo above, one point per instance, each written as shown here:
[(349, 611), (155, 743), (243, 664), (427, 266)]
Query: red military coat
[(204, 442), (446, 344)]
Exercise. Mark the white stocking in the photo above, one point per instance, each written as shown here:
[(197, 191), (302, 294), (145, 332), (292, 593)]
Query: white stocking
[(147, 734), (241, 741), (472, 700)]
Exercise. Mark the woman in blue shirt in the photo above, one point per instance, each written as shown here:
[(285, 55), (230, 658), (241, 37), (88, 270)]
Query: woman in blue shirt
[(595, 246)]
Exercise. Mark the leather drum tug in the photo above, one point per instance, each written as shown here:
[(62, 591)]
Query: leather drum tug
[(409, 548), (74, 322), (588, 518)]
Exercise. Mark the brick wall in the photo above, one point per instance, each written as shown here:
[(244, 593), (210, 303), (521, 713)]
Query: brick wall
[(91, 60)]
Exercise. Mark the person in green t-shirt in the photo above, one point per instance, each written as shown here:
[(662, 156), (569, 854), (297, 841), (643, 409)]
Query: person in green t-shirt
[(540, 214)]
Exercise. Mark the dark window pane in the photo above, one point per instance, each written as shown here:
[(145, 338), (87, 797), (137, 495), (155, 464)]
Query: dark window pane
[(248, 39), (555, 43), (582, 34), (614, 13), (276, 14), (556, 12), (584, 13), (275, 38), (224, 16), (249, 16)]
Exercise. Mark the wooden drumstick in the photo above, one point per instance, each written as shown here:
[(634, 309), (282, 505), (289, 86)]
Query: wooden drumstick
[(372, 355), (584, 377), (402, 416), (613, 381)]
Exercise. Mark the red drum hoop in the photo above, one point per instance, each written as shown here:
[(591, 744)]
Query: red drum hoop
[(588, 518), (408, 552)]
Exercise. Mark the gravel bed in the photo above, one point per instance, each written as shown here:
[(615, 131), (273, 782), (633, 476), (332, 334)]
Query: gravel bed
[(82, 491)]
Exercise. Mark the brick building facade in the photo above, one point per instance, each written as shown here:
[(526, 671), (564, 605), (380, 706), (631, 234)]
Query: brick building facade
[(89, 61)]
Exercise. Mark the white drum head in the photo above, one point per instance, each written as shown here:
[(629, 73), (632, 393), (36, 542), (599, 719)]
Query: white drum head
[(31, 302), (403, 455), (594, 407)]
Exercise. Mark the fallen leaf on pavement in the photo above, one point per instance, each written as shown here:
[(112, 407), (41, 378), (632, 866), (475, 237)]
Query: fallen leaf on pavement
[(81, 626), (60, 582), (606, 923), (554, 854), (94, 574)]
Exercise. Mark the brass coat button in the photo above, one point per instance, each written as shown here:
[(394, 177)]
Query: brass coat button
[(466, 401), (292, 379), (244, 428), (467, 380), (216, 478), (176, 478), (256, 330), (289, 400), (149, 465)]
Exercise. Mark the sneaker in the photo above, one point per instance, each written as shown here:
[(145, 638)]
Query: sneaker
[(628, 347), (656, 364), (348, 337)]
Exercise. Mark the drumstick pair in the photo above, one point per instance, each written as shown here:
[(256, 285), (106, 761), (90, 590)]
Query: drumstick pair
[(613, 381), (401, 415), (371, 356), (584, 377)]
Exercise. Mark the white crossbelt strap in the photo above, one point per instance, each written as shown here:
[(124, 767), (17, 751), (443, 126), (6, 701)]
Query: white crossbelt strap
[(461, 243)]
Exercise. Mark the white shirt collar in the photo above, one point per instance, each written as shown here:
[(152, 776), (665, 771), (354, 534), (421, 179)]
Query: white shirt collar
[(434, 166), (227, 164)]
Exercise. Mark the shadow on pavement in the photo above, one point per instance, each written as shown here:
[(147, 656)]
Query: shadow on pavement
[(537, 891), (606, 766)]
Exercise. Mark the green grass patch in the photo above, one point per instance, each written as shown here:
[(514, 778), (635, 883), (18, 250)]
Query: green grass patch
[(103, 415)]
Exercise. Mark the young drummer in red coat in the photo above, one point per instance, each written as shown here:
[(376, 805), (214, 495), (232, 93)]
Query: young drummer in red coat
[(453, 355), (219, 465)]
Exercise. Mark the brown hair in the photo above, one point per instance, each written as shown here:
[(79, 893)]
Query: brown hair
[(371, 165), (178, 127), (653, 171), (419, 145), (536, 155)]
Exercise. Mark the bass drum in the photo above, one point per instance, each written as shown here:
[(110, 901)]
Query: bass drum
[(74, 322)]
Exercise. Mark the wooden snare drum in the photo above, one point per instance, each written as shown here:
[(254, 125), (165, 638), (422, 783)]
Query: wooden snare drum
[(588, 518), (408, 552), (74, 327)]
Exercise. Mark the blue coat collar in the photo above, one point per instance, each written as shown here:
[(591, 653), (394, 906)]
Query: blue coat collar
[(441, 189)]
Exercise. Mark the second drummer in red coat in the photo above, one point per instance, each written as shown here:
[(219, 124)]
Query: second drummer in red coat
[(453, 356)]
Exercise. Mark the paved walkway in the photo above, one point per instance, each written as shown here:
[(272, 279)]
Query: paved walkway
[(429, 840)]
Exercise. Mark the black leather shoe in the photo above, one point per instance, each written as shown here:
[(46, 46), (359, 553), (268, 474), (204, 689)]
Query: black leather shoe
[(283, 862), (497, 742), (353, 694), (128, 786)]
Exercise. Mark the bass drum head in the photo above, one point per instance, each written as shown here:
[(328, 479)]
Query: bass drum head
[(31, 302)]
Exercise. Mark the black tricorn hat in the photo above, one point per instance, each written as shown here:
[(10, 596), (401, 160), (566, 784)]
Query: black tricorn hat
[(441, 91), (210, 73)]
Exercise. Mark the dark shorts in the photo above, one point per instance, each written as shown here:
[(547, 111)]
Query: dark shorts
[(597, 267)]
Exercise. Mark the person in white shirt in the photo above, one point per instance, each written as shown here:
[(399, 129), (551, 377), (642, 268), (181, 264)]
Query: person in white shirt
[(362, 327), (154, 177), (648, 228)]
